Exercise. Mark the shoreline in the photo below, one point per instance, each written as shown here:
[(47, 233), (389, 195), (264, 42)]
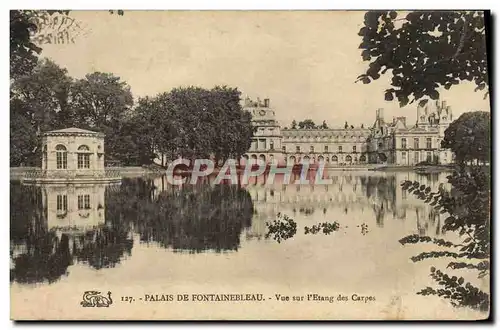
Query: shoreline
[(133, 171)]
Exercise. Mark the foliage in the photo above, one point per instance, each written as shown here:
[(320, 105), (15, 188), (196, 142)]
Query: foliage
[(294, 124), (307, 124), (100, 100), (424, 51), (194, 122), (457, 292), (469, 137), (467, 204), (38, 102), (282, 228), (326, 227)]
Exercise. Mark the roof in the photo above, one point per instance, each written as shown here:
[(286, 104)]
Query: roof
[(328, 133), (72, 130)]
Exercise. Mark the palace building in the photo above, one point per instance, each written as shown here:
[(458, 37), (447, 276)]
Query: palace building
[(393, 142)]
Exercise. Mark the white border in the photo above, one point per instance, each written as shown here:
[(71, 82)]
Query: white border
[(191, 4)]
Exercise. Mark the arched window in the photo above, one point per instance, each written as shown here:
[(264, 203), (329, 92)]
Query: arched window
[(335, 159), (348, 158), (362, 158), (83, 156), (61, 157)]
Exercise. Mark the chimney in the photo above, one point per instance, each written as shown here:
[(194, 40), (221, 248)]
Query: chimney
[(380, 114), (266, 103), (443, 105)]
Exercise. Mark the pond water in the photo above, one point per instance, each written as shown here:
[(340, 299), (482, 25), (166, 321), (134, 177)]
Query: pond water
[(146, 236)]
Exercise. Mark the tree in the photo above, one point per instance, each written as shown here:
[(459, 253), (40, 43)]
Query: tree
[(23, 52), (38, 102), (468, 207), (307, 124), (424, 51), (44, 95), (293, 125), (469, 137), (99, 100), (23, 139)]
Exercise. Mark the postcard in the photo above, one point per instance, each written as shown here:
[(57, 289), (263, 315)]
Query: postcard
[(249, 165)]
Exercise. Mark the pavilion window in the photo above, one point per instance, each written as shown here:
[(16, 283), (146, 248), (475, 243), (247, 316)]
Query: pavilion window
[(61, 157), (429, 143), (83, 157)]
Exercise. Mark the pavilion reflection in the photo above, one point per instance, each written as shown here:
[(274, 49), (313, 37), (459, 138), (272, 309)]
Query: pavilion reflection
[(54, 226)]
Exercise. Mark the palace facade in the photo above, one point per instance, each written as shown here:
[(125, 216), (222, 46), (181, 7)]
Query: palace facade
[(385, 142)]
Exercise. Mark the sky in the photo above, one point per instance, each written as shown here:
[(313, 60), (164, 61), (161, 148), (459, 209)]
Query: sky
[(305, 62)]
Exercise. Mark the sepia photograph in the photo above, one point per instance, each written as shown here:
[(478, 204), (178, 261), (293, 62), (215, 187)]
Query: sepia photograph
[(318, 165)]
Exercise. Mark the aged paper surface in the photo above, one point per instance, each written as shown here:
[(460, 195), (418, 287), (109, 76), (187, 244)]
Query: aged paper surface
[(251, 165)]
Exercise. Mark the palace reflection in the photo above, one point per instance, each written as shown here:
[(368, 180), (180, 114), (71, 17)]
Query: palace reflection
[(56, 226), (378, 196)]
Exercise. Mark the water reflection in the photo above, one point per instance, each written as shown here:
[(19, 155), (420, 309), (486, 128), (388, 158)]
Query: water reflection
[(372, 195), (190, 218), (55, 226)]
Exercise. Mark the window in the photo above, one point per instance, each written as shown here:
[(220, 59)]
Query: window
[(429, 157), (353, 148), (83, 161), (262, 143), (335, 159), (83, 157), (326, 148), (62, 203), (403, 143), (271, 145), (403, 155), (283, 148), (428, 143), (61, 157), (416, 157), (311, 148), (340, 148), (83, 202), (297, 148), (415, 143)]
